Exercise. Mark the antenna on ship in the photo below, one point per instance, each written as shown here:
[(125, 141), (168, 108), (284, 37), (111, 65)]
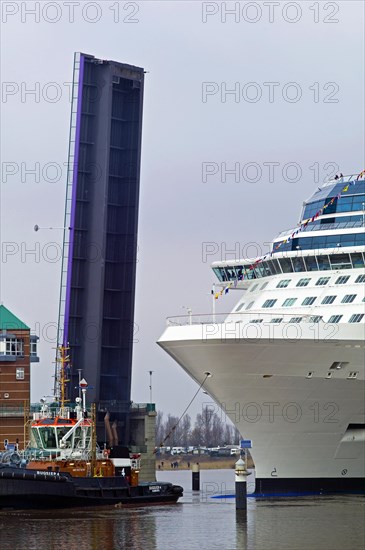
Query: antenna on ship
[(62, 360)]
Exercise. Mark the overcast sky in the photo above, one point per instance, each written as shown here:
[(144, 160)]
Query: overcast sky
[(296, 70)]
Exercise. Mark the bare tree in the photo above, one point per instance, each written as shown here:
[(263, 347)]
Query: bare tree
[(228, 434), (217, 431), (159, 432), (186, 431), (173, 431), (209, 430)]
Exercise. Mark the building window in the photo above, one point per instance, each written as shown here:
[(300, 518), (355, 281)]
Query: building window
[(276, 320), (253, 288), (335, 319), (283, 283), (33, 349), (14, 346), (256, 321), (295, 319), (328, 299), (356, 318), (303, 282), (19, 374), (309, 300), (264, 285), (322, 281), (360, 279), (289, 302), (269, 303), (315, 318), (240, 307), (348, 299), (342, 280), (250, 305)]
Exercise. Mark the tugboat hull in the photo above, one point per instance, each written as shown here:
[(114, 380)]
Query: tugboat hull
[(21, 489)]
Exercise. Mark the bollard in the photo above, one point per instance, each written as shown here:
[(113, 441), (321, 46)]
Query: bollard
[(195, 477), (241, 485)]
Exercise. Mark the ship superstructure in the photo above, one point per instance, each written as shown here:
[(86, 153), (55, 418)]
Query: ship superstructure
[(287, 364)]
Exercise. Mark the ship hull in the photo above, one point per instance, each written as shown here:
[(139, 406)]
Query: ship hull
[(275, 487), (24, 489), (307, 429)]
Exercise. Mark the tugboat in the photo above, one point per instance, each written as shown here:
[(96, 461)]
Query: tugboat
[(62, 466)]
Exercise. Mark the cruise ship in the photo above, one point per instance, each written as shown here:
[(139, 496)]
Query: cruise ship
[(287, 364)]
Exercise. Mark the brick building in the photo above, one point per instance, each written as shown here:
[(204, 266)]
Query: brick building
[(18, 349)]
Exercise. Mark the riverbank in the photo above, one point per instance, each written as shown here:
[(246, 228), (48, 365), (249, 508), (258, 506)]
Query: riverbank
[(185, 462)]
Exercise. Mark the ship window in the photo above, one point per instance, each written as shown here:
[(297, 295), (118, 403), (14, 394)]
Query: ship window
[(264, 285), (323, 263), (298, 264), (315, 318), (303, 282), (254, 287), (348, 299), (269, 303), (322, 281), (276, 320), (295, 319), (37, 439), (356, 318), (276, 265), (256, 321), (286, 265), (328, 299), (335, 319), (218, 273), (339, 364), (48, 438), (360, 279), (240, 307), (289, 302), (283, 283), (310, 374), (341, 261), (342, 280), (311, 263), (309, 300), (19, 373), (352, 375), (329, 375), (249, 305), (61, 432), (357, 259)]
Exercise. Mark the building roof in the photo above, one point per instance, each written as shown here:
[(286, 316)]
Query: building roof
[(8, 321)]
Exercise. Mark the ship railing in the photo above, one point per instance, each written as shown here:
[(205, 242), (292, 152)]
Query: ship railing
[(346, 179), (52, 410), (231, 318)]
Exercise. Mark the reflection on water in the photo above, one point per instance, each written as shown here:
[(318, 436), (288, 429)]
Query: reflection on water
[(197, 522)]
